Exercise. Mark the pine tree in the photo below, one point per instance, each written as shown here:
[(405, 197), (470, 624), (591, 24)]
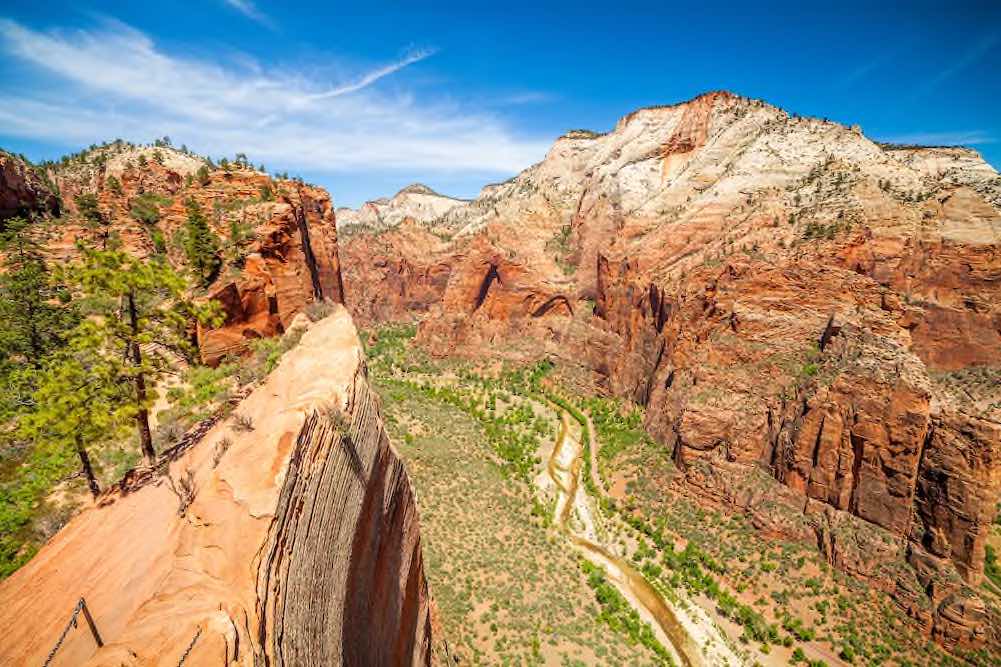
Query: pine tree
[(87, 206), (34, 319), (203, 175), (139, 323), (201, 244), (78, 402), (115, 185)]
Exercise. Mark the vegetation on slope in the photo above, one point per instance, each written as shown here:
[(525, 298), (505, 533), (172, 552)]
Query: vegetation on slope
[(776, 598)]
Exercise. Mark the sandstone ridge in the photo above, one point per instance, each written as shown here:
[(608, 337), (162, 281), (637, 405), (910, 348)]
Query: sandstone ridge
[(297, 543)]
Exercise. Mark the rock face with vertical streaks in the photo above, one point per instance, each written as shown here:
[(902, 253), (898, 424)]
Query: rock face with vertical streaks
[(299, 545)]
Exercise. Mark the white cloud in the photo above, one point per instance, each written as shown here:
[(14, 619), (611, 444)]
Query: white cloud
[(961, 138), (373, 76), (115, 82), (250, 10)]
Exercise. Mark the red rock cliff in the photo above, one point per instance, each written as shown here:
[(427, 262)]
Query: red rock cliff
[(785, 297)]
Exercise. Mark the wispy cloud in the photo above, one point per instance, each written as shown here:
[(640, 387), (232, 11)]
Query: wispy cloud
[(249, 9), (863, 70), (115, 81), (970, 57), (967, 138), (529, 97), (375, 75)]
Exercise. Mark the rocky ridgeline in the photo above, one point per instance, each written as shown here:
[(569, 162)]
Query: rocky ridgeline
[(811, 319), (415, 202), (279, 237)]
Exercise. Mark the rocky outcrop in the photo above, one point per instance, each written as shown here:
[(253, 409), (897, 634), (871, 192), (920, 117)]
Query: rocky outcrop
[(294, 543), (278, 236), (23, 191), (291, 263)]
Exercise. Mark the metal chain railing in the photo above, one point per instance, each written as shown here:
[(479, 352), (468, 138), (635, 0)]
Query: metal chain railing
[(81, 606)]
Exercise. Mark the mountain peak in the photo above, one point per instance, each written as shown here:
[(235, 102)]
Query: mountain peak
[(418, 189)]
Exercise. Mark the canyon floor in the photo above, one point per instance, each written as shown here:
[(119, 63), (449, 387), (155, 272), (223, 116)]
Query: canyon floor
[(510, 585)]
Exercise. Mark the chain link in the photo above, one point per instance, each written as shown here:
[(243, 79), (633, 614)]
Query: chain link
[(72, 624)]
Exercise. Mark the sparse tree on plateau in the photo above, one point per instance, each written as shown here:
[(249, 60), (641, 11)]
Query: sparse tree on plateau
[(201, 244), (139, 321)]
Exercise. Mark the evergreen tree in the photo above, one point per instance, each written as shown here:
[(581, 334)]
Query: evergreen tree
[(114, 185), (203, 175), (201, 244), (78, 401), (87, 206), (140, 321), (34, 319)]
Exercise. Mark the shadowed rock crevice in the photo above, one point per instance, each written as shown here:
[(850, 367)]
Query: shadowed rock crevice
[(558, 302), (341, 580), (488, 280)]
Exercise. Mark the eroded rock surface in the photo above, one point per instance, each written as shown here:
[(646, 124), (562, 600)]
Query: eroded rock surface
[(23, 191), (299, 544)]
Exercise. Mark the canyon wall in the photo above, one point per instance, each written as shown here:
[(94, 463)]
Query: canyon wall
[(296, 542), (811, 319), (23, 191)]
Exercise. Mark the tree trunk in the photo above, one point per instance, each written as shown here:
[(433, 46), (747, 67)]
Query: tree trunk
[(88, 471), (142, 414)]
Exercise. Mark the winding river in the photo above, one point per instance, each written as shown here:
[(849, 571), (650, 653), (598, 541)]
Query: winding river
[(564, 470)]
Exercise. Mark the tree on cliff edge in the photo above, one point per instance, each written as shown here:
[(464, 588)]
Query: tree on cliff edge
[(201, 244), (95, 219), (138, 325)]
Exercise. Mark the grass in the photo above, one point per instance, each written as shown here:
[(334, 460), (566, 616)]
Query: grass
[(509, 588)]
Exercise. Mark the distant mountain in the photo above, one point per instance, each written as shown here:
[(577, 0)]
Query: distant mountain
[(417, 202)]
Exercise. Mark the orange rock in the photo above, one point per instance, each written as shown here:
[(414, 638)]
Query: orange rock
[(238, 563)]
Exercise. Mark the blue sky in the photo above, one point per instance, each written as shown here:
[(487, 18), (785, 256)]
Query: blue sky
[(365, 98)]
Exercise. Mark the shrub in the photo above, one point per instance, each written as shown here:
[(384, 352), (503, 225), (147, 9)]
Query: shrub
[(318, 310), (242, 423)]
